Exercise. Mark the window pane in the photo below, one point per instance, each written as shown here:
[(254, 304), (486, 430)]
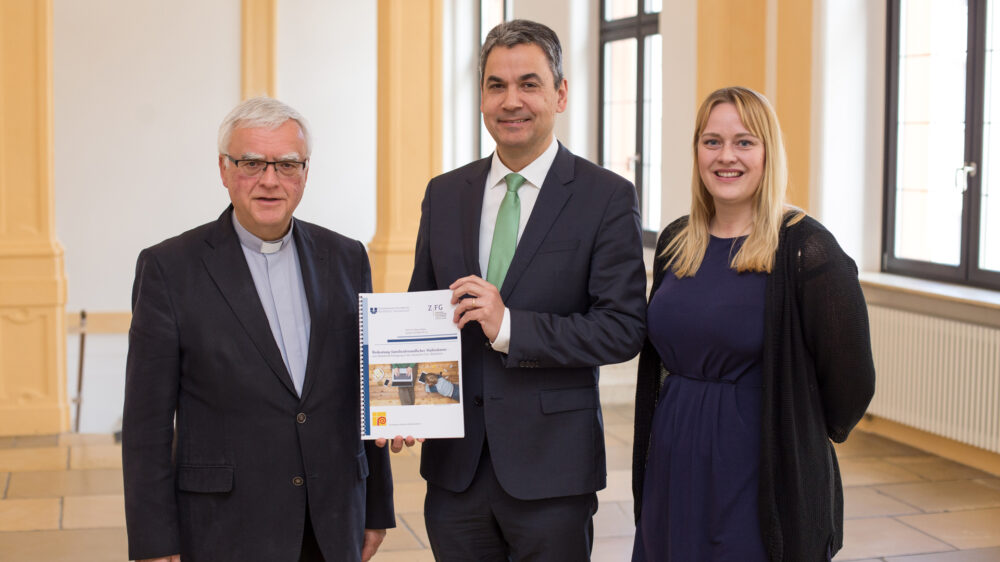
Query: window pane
[(654, 6), (652, 96), (617, 9), (620, 77), (989, 217), (931, 134), (490, 15)]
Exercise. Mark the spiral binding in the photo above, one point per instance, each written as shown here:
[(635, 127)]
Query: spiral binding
[(362, 365)]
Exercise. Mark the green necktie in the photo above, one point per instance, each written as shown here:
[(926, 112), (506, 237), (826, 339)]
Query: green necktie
[(505, 232)]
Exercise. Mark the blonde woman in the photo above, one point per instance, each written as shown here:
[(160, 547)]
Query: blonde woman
[(757, 355)]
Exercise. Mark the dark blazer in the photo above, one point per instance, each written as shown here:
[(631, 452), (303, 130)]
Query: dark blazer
[(576, 294), (248, 453)]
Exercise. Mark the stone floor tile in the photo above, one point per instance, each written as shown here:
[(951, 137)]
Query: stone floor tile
[(619, 487), (36, 441), (612, 549), (68, 439), (415, 522), (619, 433), (862, 501), (619, 457), (29, 514), (409, 496), (935, 468), (47, 458), (883, 536), (612, 520), (99, 545), (403, 556), (978, 528), (400, 538), (87, 512), (977, 555), (55, 483), (949, 495), (617, 413), (862, 444), (991, 482), (405, 468), (868, 471), (95, 456)]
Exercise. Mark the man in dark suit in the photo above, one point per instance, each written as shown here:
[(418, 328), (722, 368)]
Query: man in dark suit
[(559, 242), (246, 330)]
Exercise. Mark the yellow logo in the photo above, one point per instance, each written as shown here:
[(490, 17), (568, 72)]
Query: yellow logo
[(378, 418)]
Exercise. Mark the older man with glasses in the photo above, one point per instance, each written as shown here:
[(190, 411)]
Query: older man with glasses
[(240, 434)]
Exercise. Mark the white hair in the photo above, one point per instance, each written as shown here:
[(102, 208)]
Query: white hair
[(264, 112)]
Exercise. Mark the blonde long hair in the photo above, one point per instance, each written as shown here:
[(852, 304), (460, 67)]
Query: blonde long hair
[(757, 253)]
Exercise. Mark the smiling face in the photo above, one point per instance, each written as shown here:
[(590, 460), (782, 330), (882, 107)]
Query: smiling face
[(264, 203), (520, 102), (730, 158)]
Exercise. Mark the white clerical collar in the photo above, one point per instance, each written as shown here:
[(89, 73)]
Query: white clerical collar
[(255, 244), (533, 173)]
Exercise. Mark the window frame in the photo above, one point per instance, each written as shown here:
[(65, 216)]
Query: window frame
[(637, 27), (967, 272)]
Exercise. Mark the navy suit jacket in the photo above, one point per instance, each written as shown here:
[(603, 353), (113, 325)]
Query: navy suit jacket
[(576, 294), (248, 452)]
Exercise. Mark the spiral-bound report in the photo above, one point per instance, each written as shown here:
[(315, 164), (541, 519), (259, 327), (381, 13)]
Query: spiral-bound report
[(411, 365)]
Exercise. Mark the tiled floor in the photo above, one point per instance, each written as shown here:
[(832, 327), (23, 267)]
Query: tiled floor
[(60, 499)]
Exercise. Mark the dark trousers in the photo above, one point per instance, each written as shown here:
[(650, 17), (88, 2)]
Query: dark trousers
[(486, 523)]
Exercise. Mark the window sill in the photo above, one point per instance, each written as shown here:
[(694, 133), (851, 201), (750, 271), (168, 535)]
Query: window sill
[(954, 302)]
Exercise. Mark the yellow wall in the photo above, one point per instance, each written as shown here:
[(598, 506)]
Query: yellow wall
[(409, 131), (733, 51)]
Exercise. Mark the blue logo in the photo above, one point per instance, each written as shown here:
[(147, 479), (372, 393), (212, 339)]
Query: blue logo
[(373, 309)]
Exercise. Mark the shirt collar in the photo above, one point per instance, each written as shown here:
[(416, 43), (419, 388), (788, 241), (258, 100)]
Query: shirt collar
[(533, 173), (255, 244)]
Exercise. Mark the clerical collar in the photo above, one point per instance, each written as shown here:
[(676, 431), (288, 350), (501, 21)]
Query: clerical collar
[(255, 244)]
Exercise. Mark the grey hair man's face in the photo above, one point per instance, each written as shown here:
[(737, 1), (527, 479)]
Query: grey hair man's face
[(520, 101)]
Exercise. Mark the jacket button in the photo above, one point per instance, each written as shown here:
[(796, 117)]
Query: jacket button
[(478, 400), (487, 345), (301, 418), (298, 481)]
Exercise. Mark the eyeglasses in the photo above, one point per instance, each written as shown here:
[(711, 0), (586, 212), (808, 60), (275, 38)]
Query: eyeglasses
[(287, 168)]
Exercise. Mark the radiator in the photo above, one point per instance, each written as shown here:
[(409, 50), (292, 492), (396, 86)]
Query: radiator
[(938, 375)]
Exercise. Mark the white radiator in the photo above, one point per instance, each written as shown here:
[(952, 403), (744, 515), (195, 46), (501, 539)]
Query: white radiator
[(938, 375)]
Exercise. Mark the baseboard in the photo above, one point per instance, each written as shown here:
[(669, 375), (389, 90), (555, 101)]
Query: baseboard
[(984, 460)]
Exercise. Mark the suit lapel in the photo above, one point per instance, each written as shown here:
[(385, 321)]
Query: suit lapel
[(552, 198), (471, 210), (315, 265), (228, 268)]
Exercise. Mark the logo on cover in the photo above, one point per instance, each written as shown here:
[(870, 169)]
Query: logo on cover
[(378, 418), (373, 309)]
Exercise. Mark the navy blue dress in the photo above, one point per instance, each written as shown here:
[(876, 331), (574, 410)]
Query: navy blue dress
[(700, 495)]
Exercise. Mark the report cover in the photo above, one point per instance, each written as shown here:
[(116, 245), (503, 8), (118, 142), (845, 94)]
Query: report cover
[(411, 365)]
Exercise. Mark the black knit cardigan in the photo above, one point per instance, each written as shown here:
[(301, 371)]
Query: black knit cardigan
[(818, 378)]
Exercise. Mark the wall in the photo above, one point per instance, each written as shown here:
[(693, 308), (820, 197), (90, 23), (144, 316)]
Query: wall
[(140, 89), (575, 22), (848, 107), (326, 69)]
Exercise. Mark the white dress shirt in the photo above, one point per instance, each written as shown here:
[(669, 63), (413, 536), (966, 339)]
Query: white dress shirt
[(496, 188)]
